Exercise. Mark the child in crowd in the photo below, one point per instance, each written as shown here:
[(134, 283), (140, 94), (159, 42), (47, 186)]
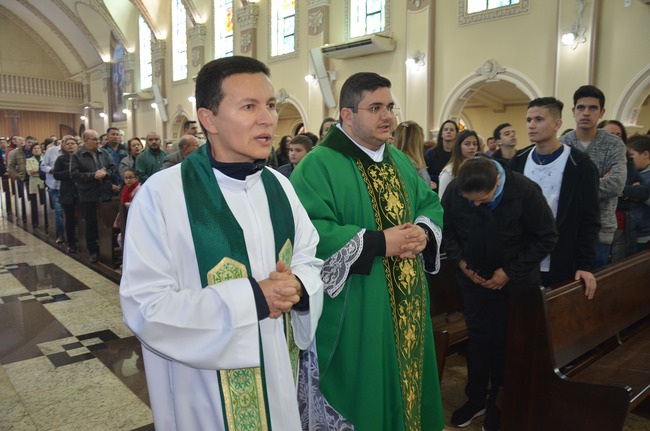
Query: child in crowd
[(131, 186), (638, 148), (298, 148)]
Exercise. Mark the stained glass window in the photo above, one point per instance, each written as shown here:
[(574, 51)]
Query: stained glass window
[(223, 28)]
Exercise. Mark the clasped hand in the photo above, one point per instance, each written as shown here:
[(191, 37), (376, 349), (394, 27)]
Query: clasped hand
[(282, 290), (498, 280), (406, 240)]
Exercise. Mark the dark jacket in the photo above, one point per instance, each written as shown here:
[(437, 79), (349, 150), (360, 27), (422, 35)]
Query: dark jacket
[(82, 171), (436, 159), (61, 172), (525, 222), (578, 214)]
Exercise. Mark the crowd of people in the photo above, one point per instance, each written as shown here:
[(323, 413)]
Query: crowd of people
[(288, 288), (78, 172)]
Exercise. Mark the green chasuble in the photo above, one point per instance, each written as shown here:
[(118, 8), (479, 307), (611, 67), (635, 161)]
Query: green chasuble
[(374, 340)]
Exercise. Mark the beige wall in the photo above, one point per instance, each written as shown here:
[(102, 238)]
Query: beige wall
[(22, 55), (617, 53)]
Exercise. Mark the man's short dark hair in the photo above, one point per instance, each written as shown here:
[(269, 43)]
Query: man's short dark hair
[(310, 135), (589, 91), (303, 140), (355, 86), (477, 175), (209, 82), (30, 138), (639, 143), (187, 124), (497, 132), (553, 105), (112, 128)]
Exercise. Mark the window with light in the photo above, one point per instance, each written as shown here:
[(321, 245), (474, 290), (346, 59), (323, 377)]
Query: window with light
[(474, 6), (367, 17), (223, 28), (146, 70), (179, 41), (283, 27)]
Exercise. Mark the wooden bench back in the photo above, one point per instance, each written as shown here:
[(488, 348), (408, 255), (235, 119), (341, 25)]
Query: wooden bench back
[(576, 325), (444, 292)]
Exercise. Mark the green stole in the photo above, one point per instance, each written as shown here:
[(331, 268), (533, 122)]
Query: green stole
[(221, 255), (406, 282)]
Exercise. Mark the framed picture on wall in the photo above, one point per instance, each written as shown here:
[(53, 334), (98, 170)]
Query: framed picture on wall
[(118, 80)]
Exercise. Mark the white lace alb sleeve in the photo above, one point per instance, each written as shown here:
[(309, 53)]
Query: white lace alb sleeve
[(336, 269)]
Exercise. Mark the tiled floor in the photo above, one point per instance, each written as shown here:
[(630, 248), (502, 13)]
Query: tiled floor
[(68, 362)]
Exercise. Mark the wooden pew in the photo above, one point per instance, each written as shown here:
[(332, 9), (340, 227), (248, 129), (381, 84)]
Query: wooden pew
[(568, 367), (449, 329), (106, 214)]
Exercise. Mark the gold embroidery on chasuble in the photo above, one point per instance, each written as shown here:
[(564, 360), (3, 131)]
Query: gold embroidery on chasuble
[(242, 390), (405, 282)]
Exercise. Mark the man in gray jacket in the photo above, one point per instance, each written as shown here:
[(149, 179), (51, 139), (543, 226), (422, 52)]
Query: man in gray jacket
[(186, 146), (607, 151)]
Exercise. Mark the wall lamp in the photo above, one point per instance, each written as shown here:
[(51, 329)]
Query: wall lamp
[(417, 60), (313, 79), (102, 114), (576, 34)]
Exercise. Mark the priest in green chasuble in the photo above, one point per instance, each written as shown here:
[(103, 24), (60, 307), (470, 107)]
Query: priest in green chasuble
[(221, 284), (372, 366)]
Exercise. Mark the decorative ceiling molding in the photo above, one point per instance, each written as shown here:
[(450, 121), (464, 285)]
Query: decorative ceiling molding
[(80, 25), (142, 9), (39, 40), (100, 7)]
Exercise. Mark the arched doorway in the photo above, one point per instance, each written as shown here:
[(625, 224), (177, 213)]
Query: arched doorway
[(290, 116), (489, 96)]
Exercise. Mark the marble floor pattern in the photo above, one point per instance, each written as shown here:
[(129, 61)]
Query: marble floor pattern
[(68, 362)]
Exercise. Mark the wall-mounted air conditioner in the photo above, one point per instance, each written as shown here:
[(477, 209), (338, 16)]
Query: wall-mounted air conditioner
[(359, 47)]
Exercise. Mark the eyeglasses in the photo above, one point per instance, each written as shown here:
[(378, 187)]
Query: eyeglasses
[(129, 178), (378, 109)]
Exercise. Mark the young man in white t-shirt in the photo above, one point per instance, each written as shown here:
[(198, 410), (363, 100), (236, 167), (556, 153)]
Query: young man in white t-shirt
[(569, 182)]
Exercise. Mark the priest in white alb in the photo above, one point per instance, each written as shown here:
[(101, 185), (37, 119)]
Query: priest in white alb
[(220, 282)]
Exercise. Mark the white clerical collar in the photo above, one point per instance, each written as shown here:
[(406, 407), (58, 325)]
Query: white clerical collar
[(376, 156)]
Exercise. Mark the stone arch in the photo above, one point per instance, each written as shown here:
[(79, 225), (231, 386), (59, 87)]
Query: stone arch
[(176, 124), (490, 72), (629, 103), (288, 103)]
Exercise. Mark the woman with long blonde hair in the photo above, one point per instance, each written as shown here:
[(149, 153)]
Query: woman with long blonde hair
[(409, 138)]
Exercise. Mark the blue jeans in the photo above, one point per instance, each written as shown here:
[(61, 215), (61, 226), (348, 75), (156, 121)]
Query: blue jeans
[(58, 211), (602, 255)]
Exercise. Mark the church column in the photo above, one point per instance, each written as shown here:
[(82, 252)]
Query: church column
[(128, 62), (575, 63), (419, 77), (101, 118), (158, 55), (318, 13), (196, 37), (247, 18)]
